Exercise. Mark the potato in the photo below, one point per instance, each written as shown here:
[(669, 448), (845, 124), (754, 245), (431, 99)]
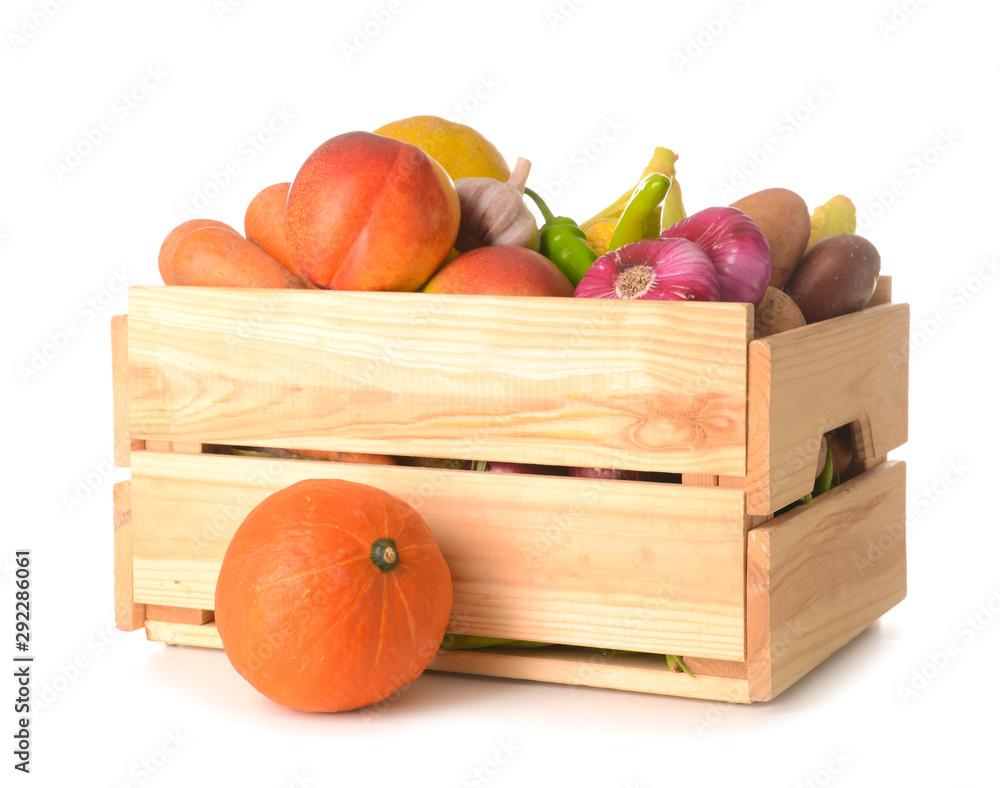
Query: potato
[(836, 277), (783, 217), (777, 312), (843, 454)]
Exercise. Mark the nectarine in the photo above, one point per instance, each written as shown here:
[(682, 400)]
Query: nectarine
[(366, 212), (500, 270)]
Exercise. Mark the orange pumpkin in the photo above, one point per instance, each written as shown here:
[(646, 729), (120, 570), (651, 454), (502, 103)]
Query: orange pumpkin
[(332, 595)]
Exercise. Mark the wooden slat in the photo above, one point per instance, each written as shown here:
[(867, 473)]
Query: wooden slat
[(809, 380), (820, 574), (203, 635), (720, 668), (700, 479), (635, 672), (586, 382), (180, 447), (119, 386), (129, 616), (179, 615), (561, 665), (636, 566)]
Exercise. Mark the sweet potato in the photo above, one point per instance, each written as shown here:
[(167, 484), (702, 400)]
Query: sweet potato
[(216, 257), (169, 246), (264, 224)]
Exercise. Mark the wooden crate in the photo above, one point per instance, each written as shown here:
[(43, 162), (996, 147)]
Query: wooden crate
[(618, 573)]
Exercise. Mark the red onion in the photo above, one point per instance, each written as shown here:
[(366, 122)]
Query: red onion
[(672, 269), (737, 247), (524, 467)]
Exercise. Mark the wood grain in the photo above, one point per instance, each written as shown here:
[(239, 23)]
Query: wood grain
[(637, 566), (820, 574), (585, 382), (804, 382), (635, 672), (129, 616), (178, 615), (559, 664), (203, 635), (123, 441)]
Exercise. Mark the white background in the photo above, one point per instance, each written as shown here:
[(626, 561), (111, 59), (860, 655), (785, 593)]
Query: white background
[(891, 103)]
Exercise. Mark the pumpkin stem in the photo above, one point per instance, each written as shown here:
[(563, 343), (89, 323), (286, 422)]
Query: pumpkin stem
[(384, 554)]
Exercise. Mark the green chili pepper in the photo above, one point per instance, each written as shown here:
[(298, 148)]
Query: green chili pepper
[(455, 641), (676, 664), (563, 242), (824, 482), (647, 196), (825, 479)]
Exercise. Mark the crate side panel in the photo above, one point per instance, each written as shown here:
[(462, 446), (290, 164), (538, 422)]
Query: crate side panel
[(625, 565), (123, 443), (807, 381), (128, 614), (587, 382), (820, 574)]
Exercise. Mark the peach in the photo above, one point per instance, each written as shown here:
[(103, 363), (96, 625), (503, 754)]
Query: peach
[(367, 212), (500, 270)]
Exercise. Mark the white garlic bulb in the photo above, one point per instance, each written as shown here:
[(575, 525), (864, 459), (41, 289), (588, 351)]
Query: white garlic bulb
[(493, 213)]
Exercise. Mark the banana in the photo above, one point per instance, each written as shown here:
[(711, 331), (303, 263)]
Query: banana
[(600, 227), (835, 217)]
